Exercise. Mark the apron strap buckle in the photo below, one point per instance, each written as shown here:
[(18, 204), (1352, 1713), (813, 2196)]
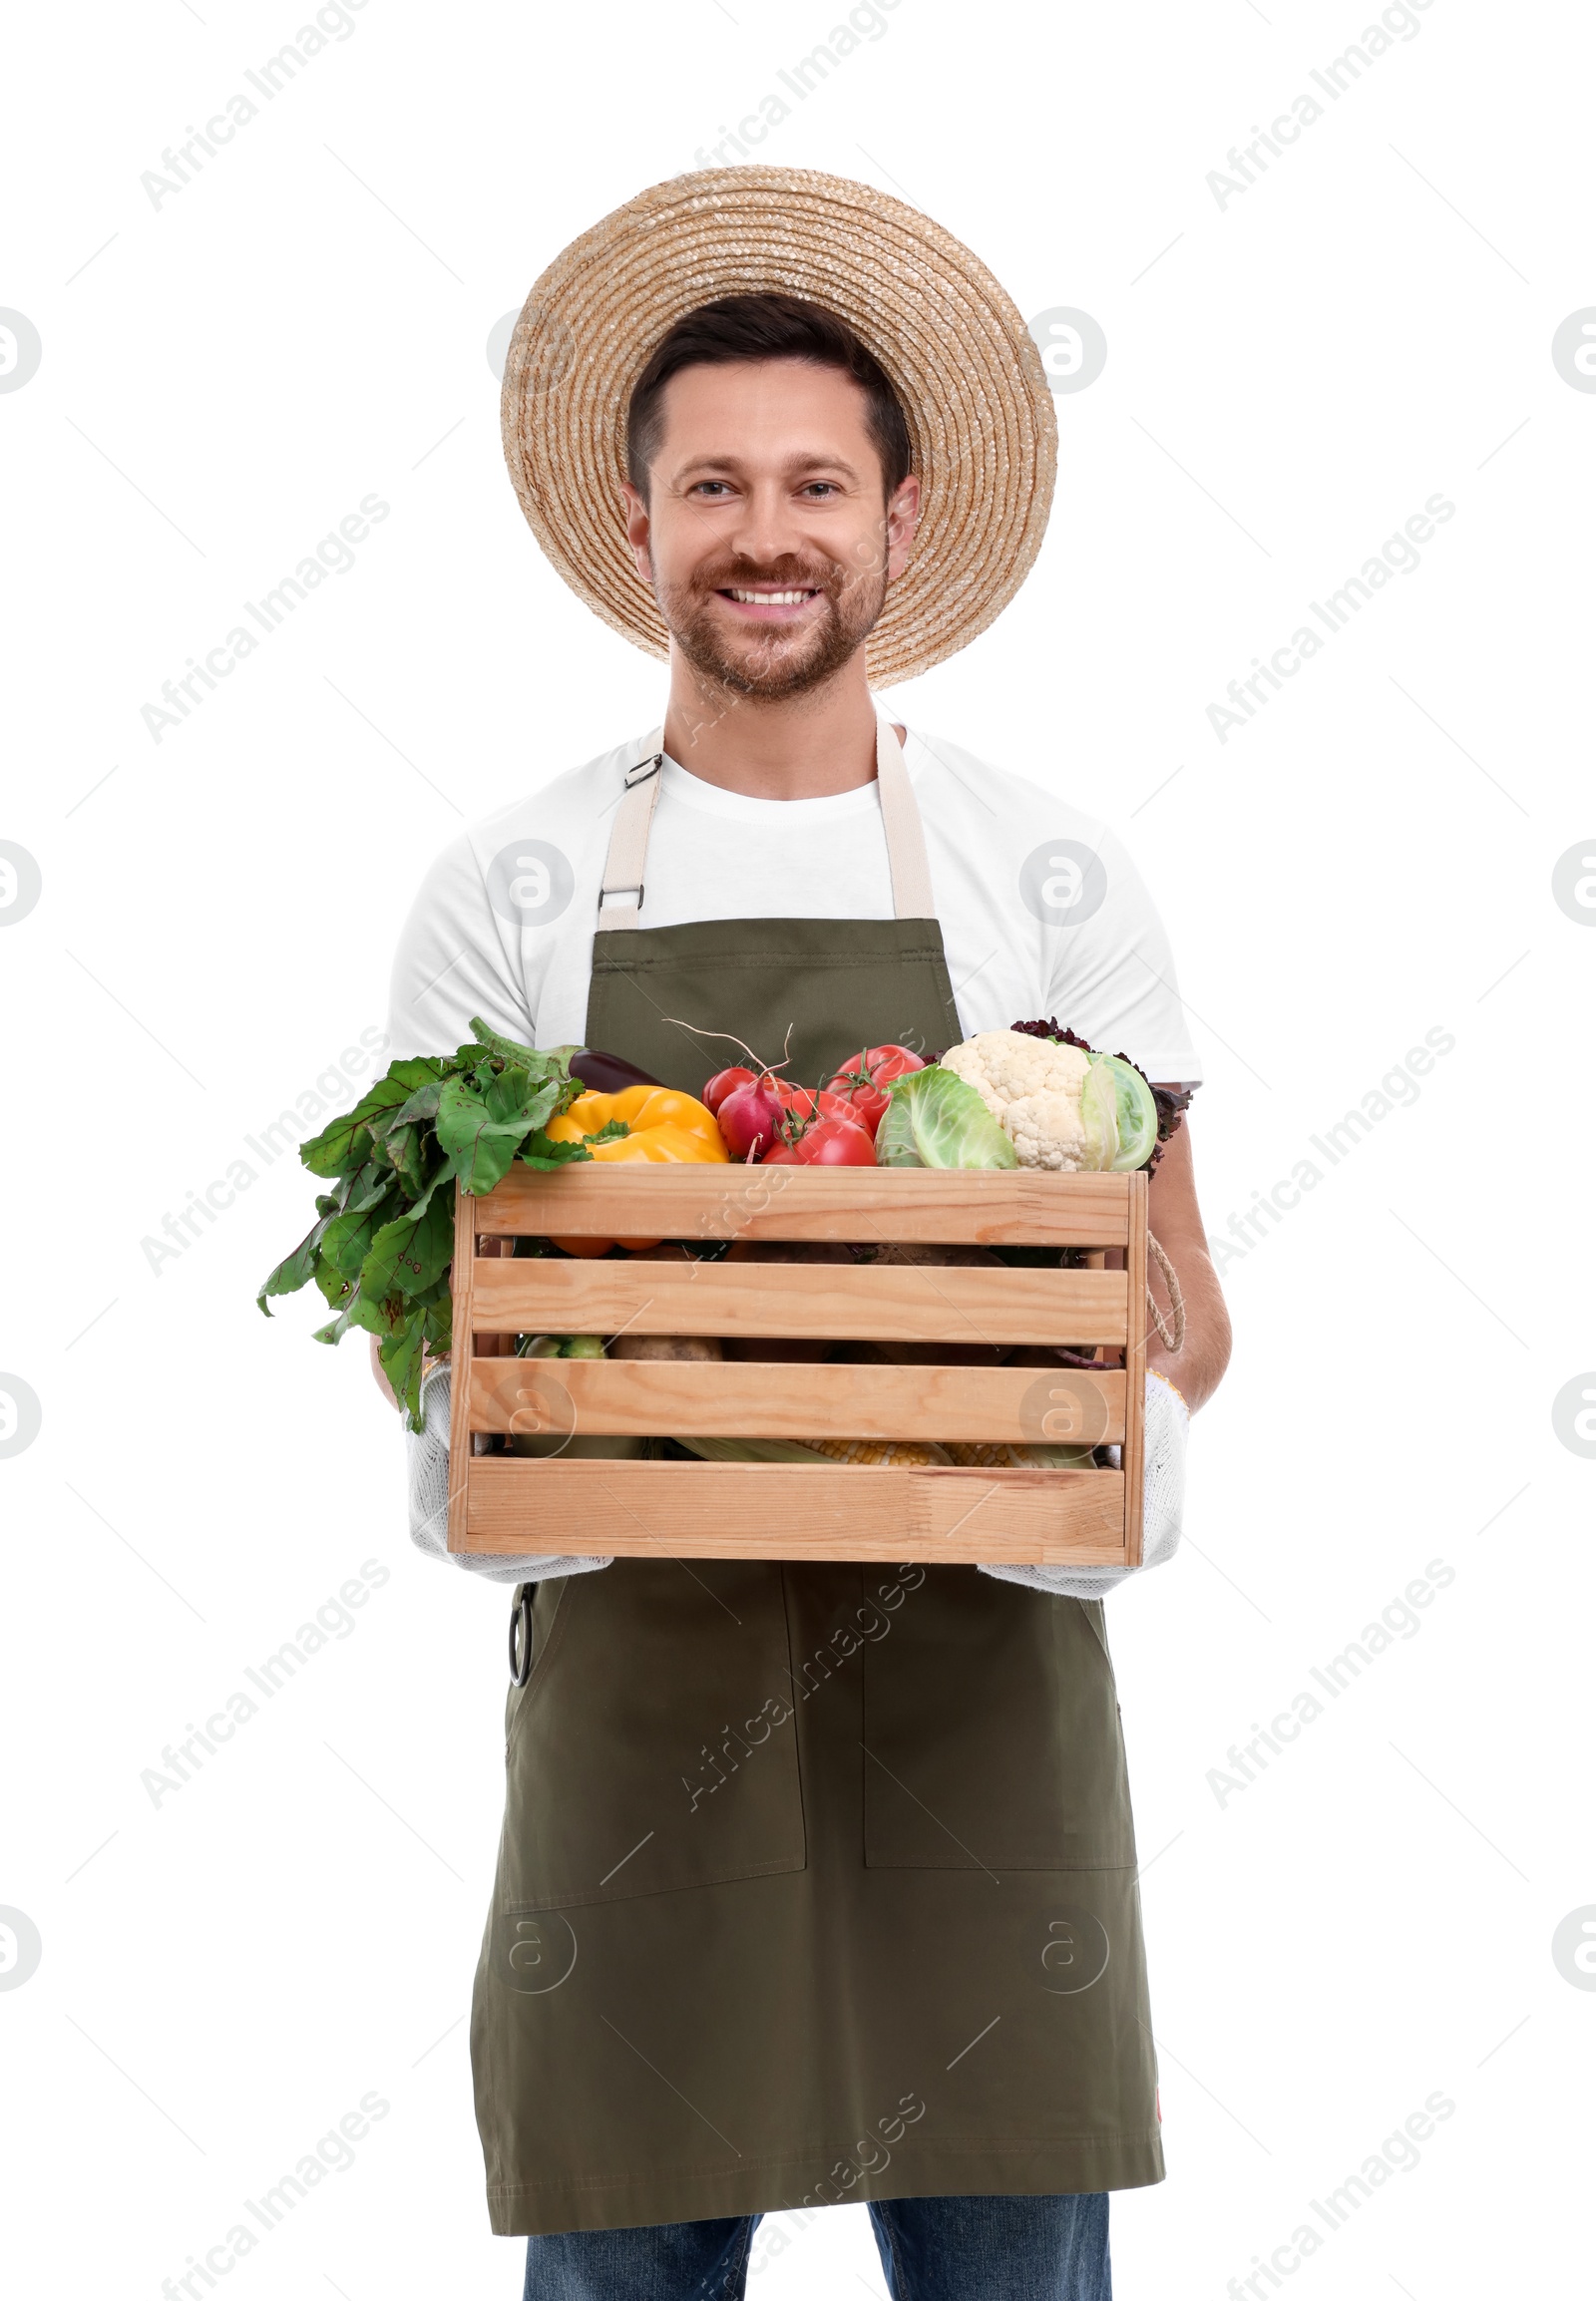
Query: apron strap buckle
[(621, 896)]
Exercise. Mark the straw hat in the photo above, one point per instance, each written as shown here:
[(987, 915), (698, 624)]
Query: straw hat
[(977, 399)]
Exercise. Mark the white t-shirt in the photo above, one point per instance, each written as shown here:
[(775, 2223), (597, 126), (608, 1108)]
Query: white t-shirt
[(1041, 909)]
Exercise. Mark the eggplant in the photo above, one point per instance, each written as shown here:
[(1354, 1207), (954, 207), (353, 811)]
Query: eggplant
[(603, 1073)]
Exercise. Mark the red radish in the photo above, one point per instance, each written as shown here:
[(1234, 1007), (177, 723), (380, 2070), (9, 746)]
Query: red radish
[(749, 1118), (723, 1084), (835, 1142)]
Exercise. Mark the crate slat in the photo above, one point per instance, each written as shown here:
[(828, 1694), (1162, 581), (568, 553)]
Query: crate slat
[(845, 1204), (1131, 1454), (1016, 1406), (881, 1302), (462, 1279), (715, 1510)]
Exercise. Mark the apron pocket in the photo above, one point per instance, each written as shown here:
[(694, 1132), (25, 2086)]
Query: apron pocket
[(653, 1745), (992, 1734)]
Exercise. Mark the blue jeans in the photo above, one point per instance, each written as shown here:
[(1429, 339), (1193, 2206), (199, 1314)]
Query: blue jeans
[(931, 2249)]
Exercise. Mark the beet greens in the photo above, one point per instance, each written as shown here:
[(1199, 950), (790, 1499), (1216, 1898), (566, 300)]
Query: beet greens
[(384, 1238)]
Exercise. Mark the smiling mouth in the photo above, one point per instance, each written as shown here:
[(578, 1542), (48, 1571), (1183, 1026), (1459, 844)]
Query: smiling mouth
[(769, 598)]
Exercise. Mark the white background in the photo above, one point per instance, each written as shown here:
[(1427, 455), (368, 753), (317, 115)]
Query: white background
[(1288, 378)]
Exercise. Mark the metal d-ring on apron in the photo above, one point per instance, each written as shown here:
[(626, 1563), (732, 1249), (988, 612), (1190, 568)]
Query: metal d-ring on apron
[(817, 1881), (521, 1634)]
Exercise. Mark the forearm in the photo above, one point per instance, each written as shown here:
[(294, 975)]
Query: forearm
[(1198, 1366)]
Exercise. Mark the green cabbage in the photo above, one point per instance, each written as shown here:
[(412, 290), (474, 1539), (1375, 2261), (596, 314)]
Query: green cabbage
[(934, 1120), (1099, 1119), (1136, 1113)]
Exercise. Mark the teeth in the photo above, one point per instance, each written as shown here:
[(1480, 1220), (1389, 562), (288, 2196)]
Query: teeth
[(774, 598)]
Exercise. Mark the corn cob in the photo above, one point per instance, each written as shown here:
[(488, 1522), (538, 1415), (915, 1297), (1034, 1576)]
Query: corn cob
[(966, 1455), (969, 1456), (899, 1451)]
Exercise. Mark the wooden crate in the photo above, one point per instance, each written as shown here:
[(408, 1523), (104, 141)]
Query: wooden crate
[(501, 1502)]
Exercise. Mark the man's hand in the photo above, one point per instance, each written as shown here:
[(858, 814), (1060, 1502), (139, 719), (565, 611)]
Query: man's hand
[(1197, 1367)]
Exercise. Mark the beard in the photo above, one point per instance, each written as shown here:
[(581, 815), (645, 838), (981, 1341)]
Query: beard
[(773, 663)]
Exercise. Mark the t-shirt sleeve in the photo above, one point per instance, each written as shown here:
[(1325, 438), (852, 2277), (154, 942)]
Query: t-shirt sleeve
[(452, 963), (1113, 977)]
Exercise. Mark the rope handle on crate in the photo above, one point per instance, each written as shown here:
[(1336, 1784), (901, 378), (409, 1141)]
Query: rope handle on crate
[(1171, 1332)]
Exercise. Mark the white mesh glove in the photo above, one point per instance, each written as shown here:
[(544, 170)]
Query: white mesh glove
[(1163, 1496), (427, 1460)]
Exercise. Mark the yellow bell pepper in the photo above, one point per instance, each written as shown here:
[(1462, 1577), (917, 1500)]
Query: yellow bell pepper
[(664, 1125), (665, 1128)]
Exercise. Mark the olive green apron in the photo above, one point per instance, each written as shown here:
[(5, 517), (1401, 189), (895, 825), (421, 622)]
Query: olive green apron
[(817, 1882)]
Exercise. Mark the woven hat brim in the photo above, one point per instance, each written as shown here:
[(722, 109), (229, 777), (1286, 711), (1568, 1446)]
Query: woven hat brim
[(982, 423)]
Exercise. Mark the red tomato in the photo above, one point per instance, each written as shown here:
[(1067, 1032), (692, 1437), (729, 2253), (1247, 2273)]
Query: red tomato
[(835, 1142), (864, 1078), (782, 1156), (803, 1103), (721, 1084)]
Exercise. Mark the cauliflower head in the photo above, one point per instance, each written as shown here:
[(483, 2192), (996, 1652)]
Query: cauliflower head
[(1033, 1087)]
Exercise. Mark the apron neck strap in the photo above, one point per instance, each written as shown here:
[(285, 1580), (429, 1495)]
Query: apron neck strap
[(621, 896), (900, 820)]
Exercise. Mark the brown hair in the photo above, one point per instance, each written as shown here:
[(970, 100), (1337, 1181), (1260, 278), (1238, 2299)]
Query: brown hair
[(760, 327)]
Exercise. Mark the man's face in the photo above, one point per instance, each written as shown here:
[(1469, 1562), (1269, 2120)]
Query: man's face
[(767, 536)]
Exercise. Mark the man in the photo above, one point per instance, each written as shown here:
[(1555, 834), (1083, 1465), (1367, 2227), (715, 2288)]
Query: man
[(883, 1942)]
